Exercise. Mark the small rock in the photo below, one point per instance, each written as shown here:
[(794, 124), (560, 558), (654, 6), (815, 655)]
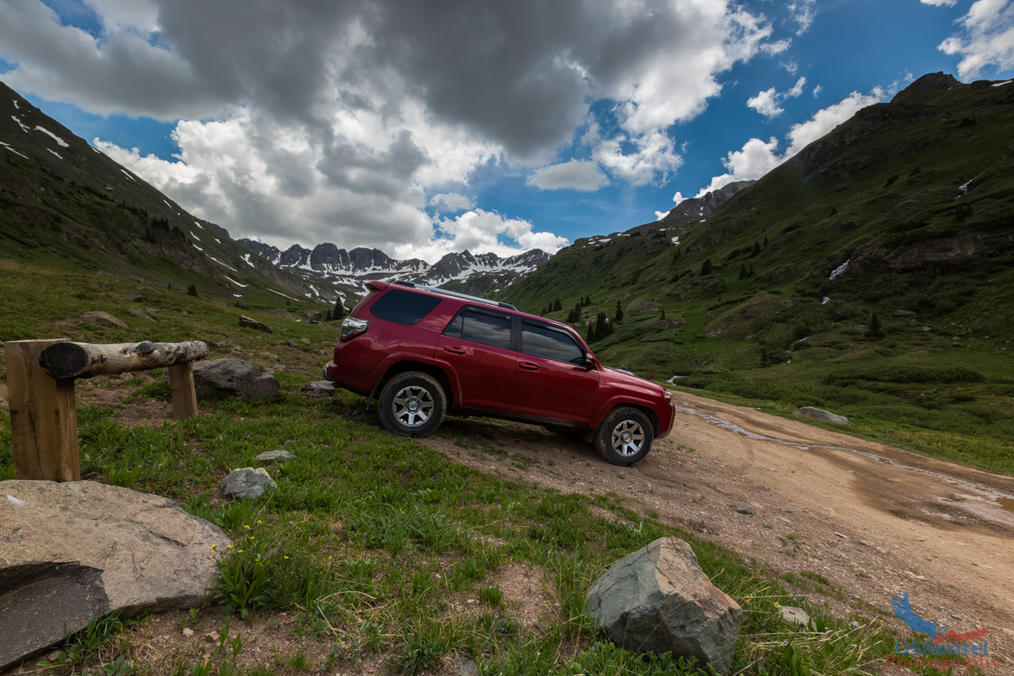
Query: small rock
[(795, 615), (821, 414), (103, 319), (250, 323), (787, 509), (211, 637), (248, 483), (318, 386), (841, 535), (134, 297), (188, 632), (153, 310), (864, 543), (745, 509), (275, 455), (467, 667), (140, 315)]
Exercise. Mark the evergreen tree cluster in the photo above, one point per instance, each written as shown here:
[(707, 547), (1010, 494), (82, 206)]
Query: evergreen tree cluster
[(552, 307), (598, 329), (574, 316)]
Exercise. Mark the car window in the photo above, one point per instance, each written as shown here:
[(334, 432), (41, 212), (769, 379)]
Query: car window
[(541, 340), (481, 326), (403, 307)]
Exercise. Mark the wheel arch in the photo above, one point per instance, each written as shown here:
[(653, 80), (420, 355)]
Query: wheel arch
[(646, 410), (408, 365)]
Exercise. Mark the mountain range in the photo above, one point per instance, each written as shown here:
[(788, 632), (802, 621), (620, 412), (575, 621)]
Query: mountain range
[(349, 270)]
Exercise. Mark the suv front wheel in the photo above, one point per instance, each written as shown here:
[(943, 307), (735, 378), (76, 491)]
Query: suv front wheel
[(412, 404), (624, 437)]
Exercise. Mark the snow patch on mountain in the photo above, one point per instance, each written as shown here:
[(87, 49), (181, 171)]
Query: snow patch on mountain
[(59, 141)]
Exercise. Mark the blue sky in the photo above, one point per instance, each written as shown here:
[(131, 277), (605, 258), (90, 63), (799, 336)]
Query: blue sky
[(422, 128)]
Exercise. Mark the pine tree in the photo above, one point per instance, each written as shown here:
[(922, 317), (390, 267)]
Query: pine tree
[(874, 330), (618, 317), (557, 305), (339, 310), (756, 250), (590, 333), (706, 267), (192, 290)]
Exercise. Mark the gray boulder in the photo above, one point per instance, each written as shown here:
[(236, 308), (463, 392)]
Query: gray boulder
[(251, 323), (325, 386), (103, 319), (234, 376), (277, 455), (821, 414), (248, 483), (75, 551), (658, 599)]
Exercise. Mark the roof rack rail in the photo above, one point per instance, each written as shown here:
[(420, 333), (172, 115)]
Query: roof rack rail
[(465, 296)]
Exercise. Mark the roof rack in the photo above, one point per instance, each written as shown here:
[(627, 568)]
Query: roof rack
[(464, 296)]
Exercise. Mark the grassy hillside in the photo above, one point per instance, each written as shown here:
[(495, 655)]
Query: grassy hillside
[(65, 205), (374, 550), (905, 212)]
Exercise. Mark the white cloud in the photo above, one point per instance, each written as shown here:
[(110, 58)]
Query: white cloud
[(803, 12), (817, 90), (482, 231), (342, 121), (987, 38), (758, 157), (642, 160), (573, 175), (677, 198), (769, 101), (452, 201), (766, 103), (826, 119), (940, 3)]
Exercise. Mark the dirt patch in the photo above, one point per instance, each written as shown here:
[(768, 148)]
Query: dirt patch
[(843, 513), (526, 594)]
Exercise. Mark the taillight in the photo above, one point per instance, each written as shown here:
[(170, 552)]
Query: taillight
[(351, 328)]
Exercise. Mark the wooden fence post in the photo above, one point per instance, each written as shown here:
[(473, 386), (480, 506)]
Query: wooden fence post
[(181, 385), (43, 417)]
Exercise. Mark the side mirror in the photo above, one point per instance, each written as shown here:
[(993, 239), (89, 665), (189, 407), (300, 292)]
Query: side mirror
[(588, 362)]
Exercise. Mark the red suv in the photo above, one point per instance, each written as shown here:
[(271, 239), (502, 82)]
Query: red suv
[(424, 352)]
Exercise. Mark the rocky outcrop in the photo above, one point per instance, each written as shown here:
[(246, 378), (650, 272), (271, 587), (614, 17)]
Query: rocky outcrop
[(658, 599), (233, 376), (251, 323), (74, 551), (104, 319)]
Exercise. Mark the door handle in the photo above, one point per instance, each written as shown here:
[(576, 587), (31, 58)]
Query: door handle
[(528, 366), (454, 349)]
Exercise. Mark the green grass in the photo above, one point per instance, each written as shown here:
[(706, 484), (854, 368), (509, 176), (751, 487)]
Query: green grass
[(374, 541)]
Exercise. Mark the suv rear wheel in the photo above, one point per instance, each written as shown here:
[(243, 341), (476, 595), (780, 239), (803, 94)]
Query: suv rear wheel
[(624, 437), (412, 404)]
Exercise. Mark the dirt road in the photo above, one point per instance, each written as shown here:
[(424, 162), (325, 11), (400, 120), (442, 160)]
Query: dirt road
[(871, 519)]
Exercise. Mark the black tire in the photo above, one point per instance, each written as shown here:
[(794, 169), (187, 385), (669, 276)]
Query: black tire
[(624, 437), (412, 404)]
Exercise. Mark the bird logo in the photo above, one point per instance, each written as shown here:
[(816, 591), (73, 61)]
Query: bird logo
[(939, 633)]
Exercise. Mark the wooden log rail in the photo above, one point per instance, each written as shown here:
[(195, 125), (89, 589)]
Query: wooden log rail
[(40, 384)]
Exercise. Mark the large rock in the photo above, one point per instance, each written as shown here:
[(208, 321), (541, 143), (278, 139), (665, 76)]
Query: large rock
[(251, 323), (821, 414), (234, 376), (104, 319), (75, 551), (658, 599), (248, 483)]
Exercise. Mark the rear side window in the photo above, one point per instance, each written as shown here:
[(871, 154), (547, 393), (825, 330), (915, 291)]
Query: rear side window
[(481, 326), (403, 307), (544, 341)]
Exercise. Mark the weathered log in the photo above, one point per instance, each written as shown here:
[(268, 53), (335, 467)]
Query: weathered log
[(84, 360)]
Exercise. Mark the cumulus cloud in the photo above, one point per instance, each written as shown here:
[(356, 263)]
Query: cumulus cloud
[(580, 175), (481, 231), (987, 38), (940, 3), (769, 101), (766, 103), (758, 157), (452, 201), (643, 160), (343, 120)]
